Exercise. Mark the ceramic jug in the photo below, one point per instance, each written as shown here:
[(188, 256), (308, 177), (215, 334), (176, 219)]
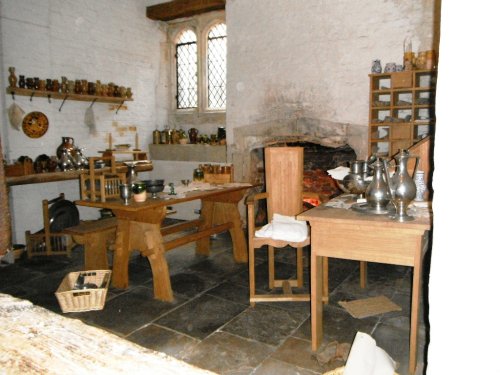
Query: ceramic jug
[(12, 77), (376, 66), (22, 81), (67, 144), (402, 185), (193, 135)]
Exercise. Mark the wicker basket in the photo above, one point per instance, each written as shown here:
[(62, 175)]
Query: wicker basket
[(75, 300)]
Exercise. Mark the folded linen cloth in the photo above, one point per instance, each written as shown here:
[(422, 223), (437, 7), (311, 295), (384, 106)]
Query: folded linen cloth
[(338, 173), (284, 228)]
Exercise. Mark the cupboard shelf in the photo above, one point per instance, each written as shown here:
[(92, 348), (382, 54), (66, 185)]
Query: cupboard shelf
[(405, 95)]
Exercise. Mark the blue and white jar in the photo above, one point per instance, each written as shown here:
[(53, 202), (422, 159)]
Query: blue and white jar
[(376, 66), (421, 186)]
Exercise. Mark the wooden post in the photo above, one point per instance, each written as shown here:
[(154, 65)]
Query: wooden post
[(5, 228)]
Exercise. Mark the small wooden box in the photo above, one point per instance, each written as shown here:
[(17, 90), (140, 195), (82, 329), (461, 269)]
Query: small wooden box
[(19, 169), (218, 178), (402, 79), (218, 174)]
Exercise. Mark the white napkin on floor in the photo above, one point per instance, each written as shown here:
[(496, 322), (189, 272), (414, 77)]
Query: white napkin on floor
[(366, 358), (285, 228)]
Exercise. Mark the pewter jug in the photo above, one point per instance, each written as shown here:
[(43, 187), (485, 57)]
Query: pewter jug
[(378, 193), (80, 161), (355, 182), (402, 185), (131, 173), (66, 161)]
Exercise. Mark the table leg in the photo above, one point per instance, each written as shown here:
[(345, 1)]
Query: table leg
[(363, 272), (415, 304), (154, 251), (228, 213), (122, 254), (316, 301), (207, 213)]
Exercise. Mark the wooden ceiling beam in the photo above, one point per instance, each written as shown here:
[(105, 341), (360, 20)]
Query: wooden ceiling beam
[(182, 8)]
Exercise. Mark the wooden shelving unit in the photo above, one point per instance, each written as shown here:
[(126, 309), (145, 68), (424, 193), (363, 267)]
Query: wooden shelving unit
[(401, 110), (66, 96)]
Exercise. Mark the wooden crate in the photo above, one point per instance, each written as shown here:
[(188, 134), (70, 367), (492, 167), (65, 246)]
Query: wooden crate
[(218, 178), (223, 175), (19, 169), (75, 300)]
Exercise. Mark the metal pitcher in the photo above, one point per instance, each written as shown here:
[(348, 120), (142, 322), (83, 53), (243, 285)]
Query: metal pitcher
[(378, 193), (355, 182), (402, 185)]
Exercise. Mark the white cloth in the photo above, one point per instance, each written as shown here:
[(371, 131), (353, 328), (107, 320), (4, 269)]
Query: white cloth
[(284, 228), (338, 173), (366, 358)]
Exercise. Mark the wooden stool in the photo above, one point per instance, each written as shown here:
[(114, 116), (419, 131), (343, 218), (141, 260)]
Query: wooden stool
[(95, 235)]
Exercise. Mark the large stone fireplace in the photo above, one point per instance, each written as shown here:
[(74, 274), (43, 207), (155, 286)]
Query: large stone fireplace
[(326, 146)]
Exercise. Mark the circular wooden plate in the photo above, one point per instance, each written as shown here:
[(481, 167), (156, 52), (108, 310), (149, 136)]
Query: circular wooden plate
[(35, 124)]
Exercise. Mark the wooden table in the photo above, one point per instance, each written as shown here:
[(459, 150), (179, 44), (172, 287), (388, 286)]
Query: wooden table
[(345, 234), (139, 228)]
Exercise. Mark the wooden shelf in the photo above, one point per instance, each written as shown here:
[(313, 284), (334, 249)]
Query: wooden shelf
[(39, 178), (402, 95), (66, 96)]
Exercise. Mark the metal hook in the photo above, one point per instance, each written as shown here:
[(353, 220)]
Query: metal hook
[(31, 97), (65, 97), (93, 101), (13, 97), (120, 106), (48, 97)]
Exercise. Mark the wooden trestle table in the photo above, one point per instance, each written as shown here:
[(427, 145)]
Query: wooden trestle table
[(346, 234), (139, 227)]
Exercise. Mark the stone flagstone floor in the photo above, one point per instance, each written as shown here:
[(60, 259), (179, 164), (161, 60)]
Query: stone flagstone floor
[(211, 324)]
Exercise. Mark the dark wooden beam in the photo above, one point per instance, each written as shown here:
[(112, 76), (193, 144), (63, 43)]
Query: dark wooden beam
[(183, 8)]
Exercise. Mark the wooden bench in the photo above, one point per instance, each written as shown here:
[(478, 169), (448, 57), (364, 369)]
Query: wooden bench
[(96, 236)]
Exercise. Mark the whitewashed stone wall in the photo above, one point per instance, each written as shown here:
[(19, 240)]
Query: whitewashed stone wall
[(110, 40), (297, 61), (309, 60)]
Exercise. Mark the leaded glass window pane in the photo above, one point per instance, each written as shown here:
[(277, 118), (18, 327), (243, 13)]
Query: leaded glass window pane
[(216, 69), (187, 70)]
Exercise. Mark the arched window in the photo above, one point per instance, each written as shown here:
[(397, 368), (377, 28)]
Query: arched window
[(197, 55), (186, 53), (216, 66)]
